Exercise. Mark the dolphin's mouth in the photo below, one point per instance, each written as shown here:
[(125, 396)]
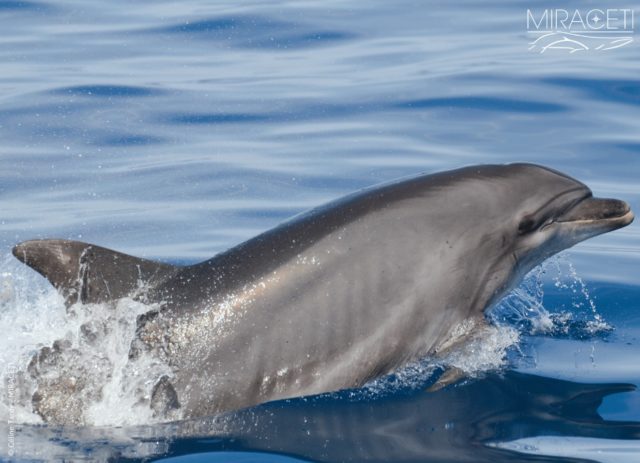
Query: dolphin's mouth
[(612, 213)]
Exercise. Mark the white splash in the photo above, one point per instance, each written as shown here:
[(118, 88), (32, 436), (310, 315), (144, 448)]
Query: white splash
[(524, 307), (484, 350), (32, 314), (109, 388), (129, 384)]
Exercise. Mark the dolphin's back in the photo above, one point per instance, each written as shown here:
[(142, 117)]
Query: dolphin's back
[(87, 273), (264, 253)]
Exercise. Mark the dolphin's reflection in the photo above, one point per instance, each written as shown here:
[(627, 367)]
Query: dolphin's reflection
[(450, 425), (457, 424)]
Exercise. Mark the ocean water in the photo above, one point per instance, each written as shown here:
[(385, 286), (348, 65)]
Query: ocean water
[(175, 130)]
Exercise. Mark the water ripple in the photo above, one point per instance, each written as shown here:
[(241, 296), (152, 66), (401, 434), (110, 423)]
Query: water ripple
[(107, 91), (314, 111), (612, 90), (256, 32), (486, 103), (219, 118), (10, 5), (129, 140), (220, 27)]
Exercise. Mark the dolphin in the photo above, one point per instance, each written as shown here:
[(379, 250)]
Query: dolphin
[(335, 297)]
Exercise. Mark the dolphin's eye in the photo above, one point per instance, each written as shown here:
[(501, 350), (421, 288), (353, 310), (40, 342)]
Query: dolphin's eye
[(527, 225)]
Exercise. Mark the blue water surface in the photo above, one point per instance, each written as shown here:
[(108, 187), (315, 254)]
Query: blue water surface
[(174, 130)]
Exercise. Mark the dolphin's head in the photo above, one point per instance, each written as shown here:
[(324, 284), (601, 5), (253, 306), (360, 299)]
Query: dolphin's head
[(518, 215), (549, 211)]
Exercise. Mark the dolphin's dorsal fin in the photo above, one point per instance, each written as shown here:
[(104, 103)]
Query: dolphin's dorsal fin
[(86, 273)]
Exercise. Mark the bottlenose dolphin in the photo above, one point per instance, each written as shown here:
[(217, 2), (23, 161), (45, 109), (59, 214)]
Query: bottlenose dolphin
[(334, 297)]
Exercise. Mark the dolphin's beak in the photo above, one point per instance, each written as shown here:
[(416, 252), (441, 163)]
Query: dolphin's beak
[(601, 213)]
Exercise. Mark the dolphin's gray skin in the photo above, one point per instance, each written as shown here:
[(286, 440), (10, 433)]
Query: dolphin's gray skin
[(337, 296)]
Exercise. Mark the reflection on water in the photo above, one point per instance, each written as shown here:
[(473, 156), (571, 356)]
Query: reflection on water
[(448, 425), (462, 423)]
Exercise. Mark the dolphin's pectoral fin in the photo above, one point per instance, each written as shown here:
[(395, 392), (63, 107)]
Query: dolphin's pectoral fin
[(164, 398), (450, 376), (87, 273)]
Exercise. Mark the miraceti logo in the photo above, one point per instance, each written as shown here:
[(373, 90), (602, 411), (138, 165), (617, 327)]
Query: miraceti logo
[(580, 30)]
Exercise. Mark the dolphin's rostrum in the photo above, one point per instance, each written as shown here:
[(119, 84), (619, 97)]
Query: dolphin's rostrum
[(339, 295)]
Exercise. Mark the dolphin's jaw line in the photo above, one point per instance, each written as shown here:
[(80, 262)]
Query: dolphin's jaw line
[(585, 219), (622, 220)]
